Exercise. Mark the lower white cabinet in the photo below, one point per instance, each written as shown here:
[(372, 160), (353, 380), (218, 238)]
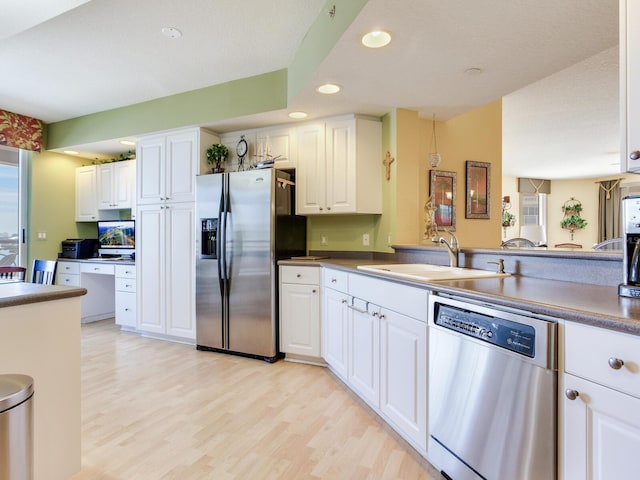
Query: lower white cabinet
[(300, 311), (403, 374), (165, 264), (600, 404), (334, 330), (364, 351), (126, 296)]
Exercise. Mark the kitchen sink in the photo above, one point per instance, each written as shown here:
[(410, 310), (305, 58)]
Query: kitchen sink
[(426, 272)]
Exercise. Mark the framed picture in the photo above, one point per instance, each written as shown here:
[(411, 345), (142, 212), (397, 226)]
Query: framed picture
[(478, 190), (443, 192)]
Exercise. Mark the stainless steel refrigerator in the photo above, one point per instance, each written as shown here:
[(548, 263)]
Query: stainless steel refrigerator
[(245, 225)]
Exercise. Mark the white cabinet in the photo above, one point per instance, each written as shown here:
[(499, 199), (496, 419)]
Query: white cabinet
[(277, 144), (167, 165), (335, 315), (630, 84), (403, 376), (86, 200), (126, 296), (165, 265), (68, 273), (115, 185), (364, 351), (300, 311), (600, 403), (339, 166), (97, 278)]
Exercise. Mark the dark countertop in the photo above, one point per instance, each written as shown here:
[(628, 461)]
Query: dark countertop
[(580, 302), (23, 293)]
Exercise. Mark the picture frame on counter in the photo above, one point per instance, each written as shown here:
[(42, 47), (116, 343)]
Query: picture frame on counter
[(478, 190), (442, 189)]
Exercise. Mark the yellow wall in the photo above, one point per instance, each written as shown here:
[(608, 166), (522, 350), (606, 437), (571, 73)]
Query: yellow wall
[(52, 204), (476, 136)]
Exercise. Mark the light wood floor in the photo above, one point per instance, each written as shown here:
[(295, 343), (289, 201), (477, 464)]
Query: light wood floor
[(159, 410)]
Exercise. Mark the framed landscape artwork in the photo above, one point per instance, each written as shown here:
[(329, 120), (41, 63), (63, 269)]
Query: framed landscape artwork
[(478, 190), (443, 192)]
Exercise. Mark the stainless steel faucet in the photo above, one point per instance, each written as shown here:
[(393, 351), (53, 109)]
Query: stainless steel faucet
[(453, 248)]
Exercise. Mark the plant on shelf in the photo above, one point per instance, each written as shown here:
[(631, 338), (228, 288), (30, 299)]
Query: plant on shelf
[(217, 154), (508, 219), (572, 220)]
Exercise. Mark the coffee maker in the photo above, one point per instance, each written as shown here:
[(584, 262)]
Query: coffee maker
[(631, 236)]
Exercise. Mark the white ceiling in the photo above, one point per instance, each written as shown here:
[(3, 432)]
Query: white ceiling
[(107, 54)]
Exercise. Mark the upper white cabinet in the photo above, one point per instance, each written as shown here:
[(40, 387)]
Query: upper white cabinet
[(277, 144), (339, 166), (169, 163), (86, 199), (600, 404), (630, 84), (116, 184)]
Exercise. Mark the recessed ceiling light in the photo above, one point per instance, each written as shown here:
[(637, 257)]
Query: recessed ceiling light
[(328, 88), (128, 143), (376, 39), (298, 115), (171, 32), (70, 152)]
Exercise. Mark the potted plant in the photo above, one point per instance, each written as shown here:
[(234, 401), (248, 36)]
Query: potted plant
[(508, 219), (217, 154)]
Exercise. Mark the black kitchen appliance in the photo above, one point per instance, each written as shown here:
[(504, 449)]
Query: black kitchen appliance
[(630, 286), (79, 248)]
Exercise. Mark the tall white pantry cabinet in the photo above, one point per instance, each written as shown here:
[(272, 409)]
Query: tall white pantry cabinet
[(165, 231)]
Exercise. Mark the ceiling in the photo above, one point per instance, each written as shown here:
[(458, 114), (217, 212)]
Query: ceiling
[(106, 54)]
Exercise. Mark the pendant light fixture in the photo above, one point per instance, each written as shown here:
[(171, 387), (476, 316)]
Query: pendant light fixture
[(434, 158)]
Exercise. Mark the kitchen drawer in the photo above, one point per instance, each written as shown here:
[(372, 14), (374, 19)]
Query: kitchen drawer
[(126, 271), (336, 279), (68, 267), (304, 275), (125, 284), (126, 309), (70, 280), (409, 301), (589, 350), (99, 268)]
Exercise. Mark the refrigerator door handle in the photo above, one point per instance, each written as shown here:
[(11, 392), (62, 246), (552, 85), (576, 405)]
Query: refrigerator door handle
[(220, 246)]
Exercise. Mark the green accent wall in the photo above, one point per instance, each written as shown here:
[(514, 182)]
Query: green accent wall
[(261, 93)]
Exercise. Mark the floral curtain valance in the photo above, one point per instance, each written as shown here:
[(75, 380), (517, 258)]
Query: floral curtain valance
[(19, 131)]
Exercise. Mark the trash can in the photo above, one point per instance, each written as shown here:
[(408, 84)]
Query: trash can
[(16, 427)]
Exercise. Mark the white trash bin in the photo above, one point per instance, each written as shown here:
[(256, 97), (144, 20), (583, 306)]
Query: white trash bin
[(16, 427)]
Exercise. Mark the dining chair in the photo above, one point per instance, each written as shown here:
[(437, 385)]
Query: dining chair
[(611, 244), (518, 242), (568, 245), (8, 260), (13, 273), (44, 271)]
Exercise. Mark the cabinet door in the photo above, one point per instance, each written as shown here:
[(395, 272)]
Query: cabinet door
[(630, 45), (182, 165), (341, 166), (310, 176), (150, 154), (105, 186), (86, 199), (601, 432), (364, 354), (123, 178), (279, 144), (150, 272), (403, 374), (126, 309), (334, 335), (300, 319), (180, 274)]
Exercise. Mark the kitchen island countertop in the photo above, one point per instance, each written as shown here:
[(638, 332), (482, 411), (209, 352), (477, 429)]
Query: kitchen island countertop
[(580, 302), (24, 293)]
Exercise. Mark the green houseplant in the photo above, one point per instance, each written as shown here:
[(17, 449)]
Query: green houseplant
[(217, 154)]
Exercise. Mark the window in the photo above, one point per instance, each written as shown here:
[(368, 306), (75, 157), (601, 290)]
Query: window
[(533, 212), (12, 211)]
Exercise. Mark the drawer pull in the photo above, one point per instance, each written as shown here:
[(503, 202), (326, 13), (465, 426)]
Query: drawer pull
[(128, 286), (344, 301), (313, 291), (615, 363), (126, 309), (333, 280), (298, 275), (571, 394)]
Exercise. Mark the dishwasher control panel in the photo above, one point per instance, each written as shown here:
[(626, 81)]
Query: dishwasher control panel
[(513, 336)]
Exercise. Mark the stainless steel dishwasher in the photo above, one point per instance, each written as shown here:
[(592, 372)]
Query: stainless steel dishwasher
[(492, 392)]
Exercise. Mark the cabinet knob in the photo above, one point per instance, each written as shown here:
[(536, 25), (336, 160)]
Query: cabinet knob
[(321, 209), (313, 291), (328, 208), (344, 302), (126, 309), (635, 155), (615, 363), (571, 394), (298, 275), (333, 280)]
